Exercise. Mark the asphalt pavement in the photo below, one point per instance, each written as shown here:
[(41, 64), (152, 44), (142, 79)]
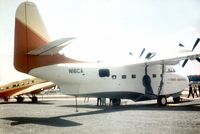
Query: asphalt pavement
[(50, 116)]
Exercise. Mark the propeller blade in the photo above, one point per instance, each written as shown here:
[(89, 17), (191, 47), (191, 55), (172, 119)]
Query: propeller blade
[(198, 59), (185, 61), (150, 55), (195, 44), (181, 45), (142, 52), (130, 53)]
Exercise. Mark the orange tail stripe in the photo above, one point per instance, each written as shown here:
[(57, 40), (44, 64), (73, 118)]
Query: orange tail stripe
[(27, 40)]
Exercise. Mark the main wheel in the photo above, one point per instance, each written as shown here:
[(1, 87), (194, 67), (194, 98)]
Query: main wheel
[(6, 99), (162, 100), (34, 99), (116, 102), (20, 99)]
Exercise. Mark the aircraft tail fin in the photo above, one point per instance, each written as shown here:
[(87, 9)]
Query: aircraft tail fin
[(31, 37), (30, 33)]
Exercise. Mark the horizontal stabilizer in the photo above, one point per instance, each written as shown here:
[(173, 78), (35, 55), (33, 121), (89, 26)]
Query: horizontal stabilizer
[(52, 47)]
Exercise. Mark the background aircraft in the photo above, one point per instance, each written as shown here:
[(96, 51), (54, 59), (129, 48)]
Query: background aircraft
[(30, 87)]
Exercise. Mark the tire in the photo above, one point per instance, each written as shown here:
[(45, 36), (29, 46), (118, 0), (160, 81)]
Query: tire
[(6, 99), (162, 100), (34, 99), (20, 99), (116, 102)]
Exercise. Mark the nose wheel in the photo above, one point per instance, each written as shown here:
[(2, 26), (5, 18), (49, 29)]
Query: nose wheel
[(162, 100)]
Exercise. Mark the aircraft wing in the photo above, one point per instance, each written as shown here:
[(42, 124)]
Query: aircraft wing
[(35, 89), (52, 48), (174, 60)]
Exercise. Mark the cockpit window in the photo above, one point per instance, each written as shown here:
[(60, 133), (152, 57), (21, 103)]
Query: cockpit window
[(170, 70)]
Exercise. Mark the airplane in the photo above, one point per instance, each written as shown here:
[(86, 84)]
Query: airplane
[(36, 55), (29, 87)]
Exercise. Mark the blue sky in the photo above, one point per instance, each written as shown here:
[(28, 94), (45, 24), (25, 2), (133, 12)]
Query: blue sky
[(109, 29)]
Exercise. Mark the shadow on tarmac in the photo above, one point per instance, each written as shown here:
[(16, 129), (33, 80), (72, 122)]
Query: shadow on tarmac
[(185, 106), (29, 102), (52, 121), (59, 122)]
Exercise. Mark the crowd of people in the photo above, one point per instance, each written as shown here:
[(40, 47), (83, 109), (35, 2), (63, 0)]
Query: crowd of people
[(193, 90)]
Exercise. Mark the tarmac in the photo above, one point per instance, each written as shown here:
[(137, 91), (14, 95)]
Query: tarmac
[(58, 115)]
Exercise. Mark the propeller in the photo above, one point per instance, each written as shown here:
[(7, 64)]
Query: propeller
[(181, 45), (150, 55), (142, 52), (195, 44), (185, 61), (130, 53), (198, 59)]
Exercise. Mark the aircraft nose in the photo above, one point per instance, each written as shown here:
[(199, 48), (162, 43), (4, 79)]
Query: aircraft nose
[(184, 80)]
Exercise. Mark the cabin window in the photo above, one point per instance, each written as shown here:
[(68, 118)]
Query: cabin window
[(154, 75), (114, 76), (133, 76), (104, 72), (123, 76)]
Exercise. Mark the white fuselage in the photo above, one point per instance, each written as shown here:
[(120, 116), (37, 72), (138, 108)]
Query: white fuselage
[(99, 80)]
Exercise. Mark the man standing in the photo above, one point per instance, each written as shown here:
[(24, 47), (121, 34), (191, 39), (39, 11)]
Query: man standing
[(199, 88), (190, 91), (195, 90)]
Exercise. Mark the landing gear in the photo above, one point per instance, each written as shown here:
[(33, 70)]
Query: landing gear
[(6, 99), (177, 99), (19, 99), (162, 100), (116, 102), (34, 99)]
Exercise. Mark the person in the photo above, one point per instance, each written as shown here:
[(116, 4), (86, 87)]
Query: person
[(195, 90), (110, 102), (190, 91), (199, 89), (98, 101), (86, 99)]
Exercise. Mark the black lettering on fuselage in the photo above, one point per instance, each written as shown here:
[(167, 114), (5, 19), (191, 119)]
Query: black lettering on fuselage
[(75, 70)]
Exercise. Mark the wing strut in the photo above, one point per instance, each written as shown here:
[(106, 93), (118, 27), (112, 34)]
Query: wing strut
[(161, 81)]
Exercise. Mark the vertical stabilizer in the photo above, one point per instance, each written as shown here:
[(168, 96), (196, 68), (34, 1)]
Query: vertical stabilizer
[(31, 34)]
